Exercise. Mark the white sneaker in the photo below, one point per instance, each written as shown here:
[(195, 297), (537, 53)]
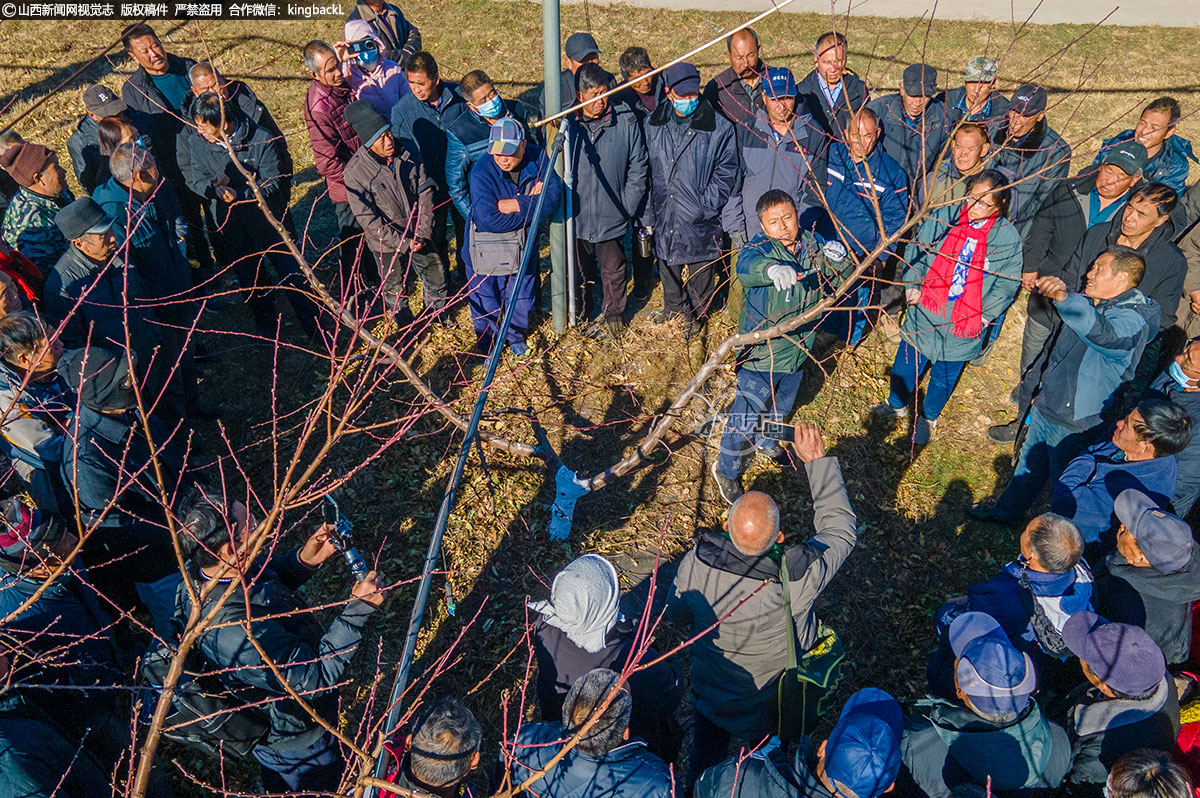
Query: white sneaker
[(923, 430), (887, 412)]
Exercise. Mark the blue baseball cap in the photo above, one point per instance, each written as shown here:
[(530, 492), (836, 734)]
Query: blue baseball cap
[(682, 78), (1123, 656), (1165, 539), (994, 675), (862, 753), (505, 137), (780, 83)]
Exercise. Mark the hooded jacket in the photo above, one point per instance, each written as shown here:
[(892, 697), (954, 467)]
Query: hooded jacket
[(35, 417), (260, 152), (933, 334), (611, 170), (1096, 351), (391, 203), (1104, 729), (1165, 265), (1039, 160), (1088, 488), (1002, 597), (790, 163), (729, 95), (37, 757), (915, 144), (689, 184), (734, 667), (467, 140), (140, 94), (763, 305), (420, 128), (242, 98), (311, 659), (851, 191), (765, 773), (627, 771), (1160, 603), (400, 37), (810, 99), (333, 140), (947, 746), (1170, 166)]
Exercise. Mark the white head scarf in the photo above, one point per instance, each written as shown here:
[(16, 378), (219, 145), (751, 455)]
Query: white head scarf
[(584, 602)]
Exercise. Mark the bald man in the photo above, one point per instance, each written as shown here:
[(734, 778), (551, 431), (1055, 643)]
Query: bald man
[(735, 666)]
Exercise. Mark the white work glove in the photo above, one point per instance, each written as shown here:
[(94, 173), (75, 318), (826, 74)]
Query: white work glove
[(913, 295), (782, 275), (834, 250)]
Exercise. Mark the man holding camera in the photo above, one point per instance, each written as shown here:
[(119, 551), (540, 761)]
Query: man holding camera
[(264, 640)]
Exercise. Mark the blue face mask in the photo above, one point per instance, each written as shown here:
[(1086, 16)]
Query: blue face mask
[(492, 108), (367, 59), (686, 107), (1176, 372)]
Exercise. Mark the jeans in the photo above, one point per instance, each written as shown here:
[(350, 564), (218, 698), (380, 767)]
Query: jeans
[(844, 320), (602, 262), (761, 396), (1047, 450), (317, 768), (688, 288), (710, 746), (159, 599), (906, 373)]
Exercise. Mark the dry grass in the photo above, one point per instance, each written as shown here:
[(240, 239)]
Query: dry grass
[(596, 398)]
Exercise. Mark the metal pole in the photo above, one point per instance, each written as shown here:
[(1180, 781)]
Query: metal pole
[(569, 200), (443, 517), (551, 69)]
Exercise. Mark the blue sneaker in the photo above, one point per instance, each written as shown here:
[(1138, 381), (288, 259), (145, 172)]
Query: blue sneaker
[(519, 349)]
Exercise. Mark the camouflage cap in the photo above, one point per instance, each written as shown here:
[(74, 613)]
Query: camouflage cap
[(981, 70)]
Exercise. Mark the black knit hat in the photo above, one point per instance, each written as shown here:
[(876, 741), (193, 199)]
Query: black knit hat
[(368, 123), (100, 376)]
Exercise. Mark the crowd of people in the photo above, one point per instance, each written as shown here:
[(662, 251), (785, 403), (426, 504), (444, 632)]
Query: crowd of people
[(924, 213)]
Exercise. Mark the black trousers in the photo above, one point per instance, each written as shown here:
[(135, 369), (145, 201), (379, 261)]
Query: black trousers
[(397, 269), (253, 244), (352, 249), (602, 263), (688, 288)]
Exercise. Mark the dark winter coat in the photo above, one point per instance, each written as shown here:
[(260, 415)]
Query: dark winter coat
[(627, 771), (1160, 603), (947, 746), (1187, 462), (1054, 236), (1091, 483), (767, 160), (729, 95), (1038, 161), (467, 141), (91, 168), (1096, 350), (689, 184), (915, 144), (656, 691), (392, 203), (832, 121), (260, 153), (611, 170), (851, 191), (140, 94), (766, 775), (333, 140), (1166, 266), (105, 459), (155, 229), (1103, 729), (311, 659), (763, 305), (420, 128), (107, 294), (735, 666), (37, 757)]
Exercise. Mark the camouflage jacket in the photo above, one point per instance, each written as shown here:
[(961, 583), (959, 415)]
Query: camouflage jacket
[(29, 227)]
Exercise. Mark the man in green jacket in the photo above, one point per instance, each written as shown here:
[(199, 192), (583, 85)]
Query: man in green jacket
[(783, 273)]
